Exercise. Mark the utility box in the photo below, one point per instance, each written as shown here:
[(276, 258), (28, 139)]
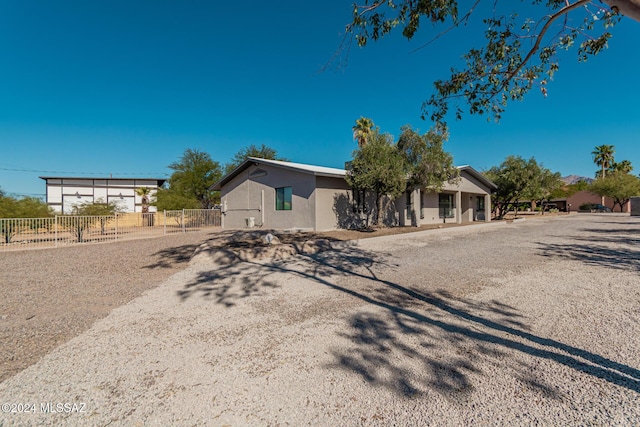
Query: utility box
[(635, 206), (250, 222)]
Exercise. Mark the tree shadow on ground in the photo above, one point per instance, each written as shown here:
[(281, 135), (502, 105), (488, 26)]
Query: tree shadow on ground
[(406, 339), (598, 255), (630, 231), (612, 248), (170, 257)]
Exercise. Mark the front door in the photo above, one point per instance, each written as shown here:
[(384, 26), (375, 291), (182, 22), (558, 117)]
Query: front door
[(480, 214)]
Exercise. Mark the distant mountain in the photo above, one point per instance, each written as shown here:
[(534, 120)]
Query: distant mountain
[(572, 179)]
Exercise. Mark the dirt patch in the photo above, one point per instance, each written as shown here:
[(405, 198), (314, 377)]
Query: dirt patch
[(49, 296)]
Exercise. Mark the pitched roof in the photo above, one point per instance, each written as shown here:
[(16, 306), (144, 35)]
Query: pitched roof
[(321, 171), (477, 175), (298, 167)]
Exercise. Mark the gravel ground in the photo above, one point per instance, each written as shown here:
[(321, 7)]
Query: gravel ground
[(49, 296), (530, 323)]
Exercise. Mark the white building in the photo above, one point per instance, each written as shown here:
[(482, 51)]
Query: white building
[(65, 192)]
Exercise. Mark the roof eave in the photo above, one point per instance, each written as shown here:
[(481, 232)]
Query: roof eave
[(478, 175), (254, 160)]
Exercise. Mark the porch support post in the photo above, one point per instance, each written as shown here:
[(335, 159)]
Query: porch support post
[(487, 208), (458, 207), (415, 207)]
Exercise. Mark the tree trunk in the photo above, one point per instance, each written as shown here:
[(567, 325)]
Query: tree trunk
[(378, 209)]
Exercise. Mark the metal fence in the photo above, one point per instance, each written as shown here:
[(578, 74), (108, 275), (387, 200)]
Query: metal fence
[(63, 230)]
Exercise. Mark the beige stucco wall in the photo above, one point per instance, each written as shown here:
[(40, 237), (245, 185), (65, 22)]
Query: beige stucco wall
[(467, 184), (334, 204), (431, 211), (242, 197)]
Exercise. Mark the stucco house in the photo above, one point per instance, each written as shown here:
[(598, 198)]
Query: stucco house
[(65, 192), (284, 195)]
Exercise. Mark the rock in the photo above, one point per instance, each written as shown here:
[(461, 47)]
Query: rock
[(314, 246), (272, 252), (270, 239)]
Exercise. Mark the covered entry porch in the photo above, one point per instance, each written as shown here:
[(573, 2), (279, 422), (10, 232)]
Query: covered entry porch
[(445, 207), (466, 200)]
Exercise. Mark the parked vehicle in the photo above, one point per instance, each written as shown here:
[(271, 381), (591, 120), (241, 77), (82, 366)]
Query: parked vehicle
[(594, 207), (601, 208)]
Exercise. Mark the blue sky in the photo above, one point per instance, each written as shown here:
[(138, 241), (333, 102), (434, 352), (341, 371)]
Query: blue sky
[(123, 88)]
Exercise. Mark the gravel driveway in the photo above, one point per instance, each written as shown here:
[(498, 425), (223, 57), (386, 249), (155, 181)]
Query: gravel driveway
[(530, 323)]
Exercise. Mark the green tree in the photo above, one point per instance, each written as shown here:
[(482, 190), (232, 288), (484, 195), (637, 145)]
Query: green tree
[(87, 214), (362, 130), (545, 186), (519, 53), (171, 200), (428, 165), (262, 152), (603, 156), (14, 208), (378, 167), (188, 186), (619, 186), (623, 166), (517, 180)]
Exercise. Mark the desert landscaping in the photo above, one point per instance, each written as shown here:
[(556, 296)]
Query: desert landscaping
[(506, 323)]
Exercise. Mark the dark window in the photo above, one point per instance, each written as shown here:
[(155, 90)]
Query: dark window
[(283, 198), (445, 203), (480, 203)]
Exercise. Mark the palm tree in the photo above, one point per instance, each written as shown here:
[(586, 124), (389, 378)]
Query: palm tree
[(603, 157), (624, 166), (144, 193), (362, 130)]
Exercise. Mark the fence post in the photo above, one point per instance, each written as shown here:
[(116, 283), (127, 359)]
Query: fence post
[(165, 221), (116, 226), (56, 235), (184, 230)]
